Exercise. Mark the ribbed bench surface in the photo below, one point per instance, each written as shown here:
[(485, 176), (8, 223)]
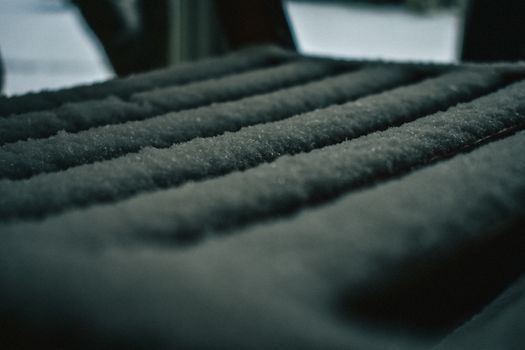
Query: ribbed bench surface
[(267, 200)]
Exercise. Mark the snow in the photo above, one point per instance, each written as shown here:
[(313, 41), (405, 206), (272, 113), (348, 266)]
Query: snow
[(46, 45), (343, 29)]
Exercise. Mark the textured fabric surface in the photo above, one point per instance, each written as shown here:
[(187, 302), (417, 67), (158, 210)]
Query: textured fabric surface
[(265, 200)]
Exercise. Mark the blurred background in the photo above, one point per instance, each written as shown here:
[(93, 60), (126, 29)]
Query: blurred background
[(49, 44)]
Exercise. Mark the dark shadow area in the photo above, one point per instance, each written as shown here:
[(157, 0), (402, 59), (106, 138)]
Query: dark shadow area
[(252, 22), (134, 34), (435, 294), (18, 335), (494, 31)]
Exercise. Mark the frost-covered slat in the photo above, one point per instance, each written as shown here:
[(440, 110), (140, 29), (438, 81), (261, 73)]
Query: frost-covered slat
[(232, 87), (74, 117), (384, 218), (27, 158), (289, 182), (123, 87)]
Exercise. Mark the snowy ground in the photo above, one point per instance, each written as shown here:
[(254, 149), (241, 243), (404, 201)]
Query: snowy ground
[(45, 44), (364, 31)]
